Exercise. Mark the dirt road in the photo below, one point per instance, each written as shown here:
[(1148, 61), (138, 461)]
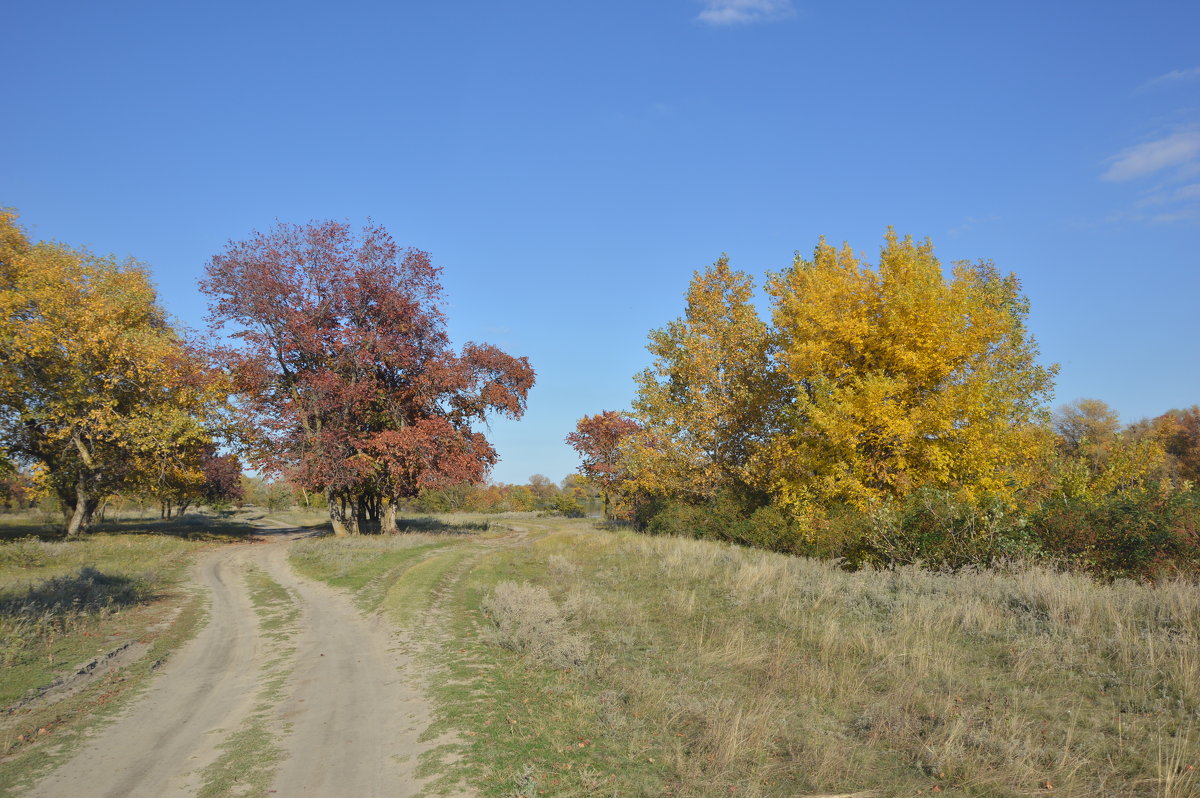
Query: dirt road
[(335, 705)]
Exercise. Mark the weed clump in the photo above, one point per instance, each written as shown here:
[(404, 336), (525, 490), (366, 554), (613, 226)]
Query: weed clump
[(89, 590), (562, 569), (526, 619)]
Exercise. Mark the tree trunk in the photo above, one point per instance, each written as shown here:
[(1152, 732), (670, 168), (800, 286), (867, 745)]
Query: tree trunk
[(353, 515), (388, 524), (336, 514), (89, 512), (76, 524), (604, 491)]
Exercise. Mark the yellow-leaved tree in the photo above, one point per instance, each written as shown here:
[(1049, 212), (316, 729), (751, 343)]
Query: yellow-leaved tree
[(1097, 458), (708, 402), (902, 378), (96, 388)]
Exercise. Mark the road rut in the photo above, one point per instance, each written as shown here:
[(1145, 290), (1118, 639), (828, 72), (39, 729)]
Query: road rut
[(347, 721)]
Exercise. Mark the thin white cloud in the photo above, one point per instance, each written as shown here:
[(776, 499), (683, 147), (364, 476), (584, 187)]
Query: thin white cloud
[(969, 223), (1191, 192), (1185, 215), (1173, 195), (1171, 78), (1186, 193), (741, 12), (1176, 149)]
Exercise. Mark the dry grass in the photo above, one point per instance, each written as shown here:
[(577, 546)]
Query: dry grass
[(527, 620), (32, 622), (582, 662), (752, 673), (65, 602), (56, 597)]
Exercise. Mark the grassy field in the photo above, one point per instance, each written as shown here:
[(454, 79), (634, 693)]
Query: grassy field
[(576, 662), (568, 660), (64, 603)]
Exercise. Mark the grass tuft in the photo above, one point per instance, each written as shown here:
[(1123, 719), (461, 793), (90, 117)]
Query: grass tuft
[(527, 620)]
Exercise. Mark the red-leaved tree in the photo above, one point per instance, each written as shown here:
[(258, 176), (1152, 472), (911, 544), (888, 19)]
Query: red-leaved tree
[(598, 440), (346, 377), (222, 478)]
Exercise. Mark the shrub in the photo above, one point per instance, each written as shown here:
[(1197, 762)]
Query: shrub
[(527, 620), (749, 522), (939, 529), (88, 591), (30, 623), (567, 506), (1141, 533), (677, 520)]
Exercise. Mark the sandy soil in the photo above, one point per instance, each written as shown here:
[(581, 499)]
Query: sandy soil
[(348, 721)]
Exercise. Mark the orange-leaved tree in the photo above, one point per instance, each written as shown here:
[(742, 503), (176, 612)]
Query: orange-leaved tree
[(598, 439), (1179, 431), (346, 377)]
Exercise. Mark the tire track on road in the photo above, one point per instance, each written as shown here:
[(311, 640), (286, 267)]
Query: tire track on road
[(355, 715), (152, 749), (348, 720)]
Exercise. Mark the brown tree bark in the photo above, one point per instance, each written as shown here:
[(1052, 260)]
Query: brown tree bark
[(335, 514), (76, 525), (353, 515), (387, 524)]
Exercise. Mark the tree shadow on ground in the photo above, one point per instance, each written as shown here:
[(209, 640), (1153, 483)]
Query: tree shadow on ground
[(218, 528), (430, 525), (221, 527), (87, 591), (425, 525)]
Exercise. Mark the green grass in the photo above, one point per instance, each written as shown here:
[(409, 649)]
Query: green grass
[(413, 588), (358, 562), (715, 670), (530, 727)]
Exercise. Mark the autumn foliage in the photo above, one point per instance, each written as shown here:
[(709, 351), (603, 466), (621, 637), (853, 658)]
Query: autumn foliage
[(871, 383), (598, 440), (882, 414), (894, 413), (347, 380), (900, 378), (711, 397), (98, 393)]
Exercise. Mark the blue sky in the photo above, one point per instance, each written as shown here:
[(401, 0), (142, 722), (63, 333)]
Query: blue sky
[(569, 164)]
